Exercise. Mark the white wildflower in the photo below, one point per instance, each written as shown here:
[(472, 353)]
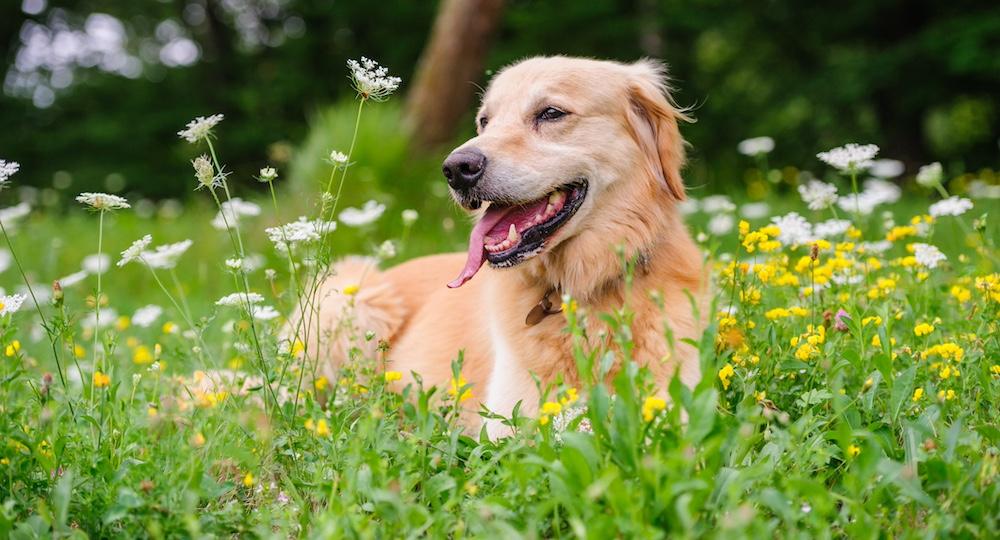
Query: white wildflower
[(338, 158), (928, 255), (204, 172), (235, 264), (165, 256), (850, 158), (232, 210), (355, 217), (97, 263), (756, 146), (239, 299), (818, 195), (371, 80), (103, 317), (880, 246), (930, 175), (298, 232), (103, 201), (795, 230), (952, 206), (134, 252), (200, 128), (145, 316), (886, 168), (876, 192), (8, 169), (10, 215), (714, 204), (410, 216), (720, 224), (386, 251), (265, 313), (831, 228), (755, 210), (5, 259), (979, 189), (10, 304), (689, 206), (267, 174)]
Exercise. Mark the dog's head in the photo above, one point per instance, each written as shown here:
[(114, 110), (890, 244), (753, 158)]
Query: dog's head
[(555, 137)]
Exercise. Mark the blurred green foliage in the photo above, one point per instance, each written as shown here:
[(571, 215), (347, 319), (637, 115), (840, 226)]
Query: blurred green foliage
[(919, 78)]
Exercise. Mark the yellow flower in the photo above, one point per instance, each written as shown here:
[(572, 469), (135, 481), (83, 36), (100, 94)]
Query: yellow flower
[(310, 425), (122, 323), (393, 376), (874, 319), (570, 397), (298, 347), (322, 429), (142, 355), (877, 341), (760, 396), (922, 329), (152, 412), (948, 351), (321, 383), (351, 290), (198, 440), (725, 374), (79, 351), (551, 408), (853, 450), (101, 380), (654, 404), (456, 385), (943, 395), (169, 328), (917, 394), (248, 480), (995, 370), (13, 348)]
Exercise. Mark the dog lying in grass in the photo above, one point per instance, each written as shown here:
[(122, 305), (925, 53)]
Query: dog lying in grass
[(574, 161)]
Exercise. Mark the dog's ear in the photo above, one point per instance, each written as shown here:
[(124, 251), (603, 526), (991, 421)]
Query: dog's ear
[(653, 119)]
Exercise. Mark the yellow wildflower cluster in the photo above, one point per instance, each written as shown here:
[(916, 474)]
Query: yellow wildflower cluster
[(947, 351), (725, 374), (553, 408), (989, 286), (456, 386), (651, 406), (319, 427), (807, 345), (782, 313), (923, 329), (883, 287), (762, 239)]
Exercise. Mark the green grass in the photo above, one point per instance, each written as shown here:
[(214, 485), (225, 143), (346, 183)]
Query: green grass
[(778, 440)]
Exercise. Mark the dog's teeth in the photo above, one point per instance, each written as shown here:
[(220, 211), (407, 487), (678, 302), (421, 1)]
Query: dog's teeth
[(554, 197), (550, 209), (512, 235)]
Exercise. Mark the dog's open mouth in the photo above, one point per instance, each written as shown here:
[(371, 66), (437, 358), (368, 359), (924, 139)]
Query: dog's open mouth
[(510, 234)]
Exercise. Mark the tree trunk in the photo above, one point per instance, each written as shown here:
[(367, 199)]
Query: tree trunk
[(449, 68)]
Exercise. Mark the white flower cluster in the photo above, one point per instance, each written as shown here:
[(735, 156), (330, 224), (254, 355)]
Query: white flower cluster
[(850, 158), (818, 195), (303, 231), (930, 175), (338, 158), (795, 229), (952, 206), (204, 172), (10, 304), (756, 146), (200, 128), (232, 210), (876, 192), (886, 168), (135, 251), (239, 300), (928, 255), (358, 217), (8, 169), (145, 316), (9, 215), (165, 256), (103, 201), (371, 80)]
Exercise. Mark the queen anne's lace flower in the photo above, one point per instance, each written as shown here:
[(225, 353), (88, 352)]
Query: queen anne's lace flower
[(266, 313), (930, 175), (165, 256), (204, 172), (795, 230), (303, 231), (355, 217), (755, 146), (8, 169), (887, 168), (952, 206), (10, 304), (11, 214), (850, 158), (97, 263), (876, 192), (818, 195), (145, 316), (239, 300), (103, 201), (928, 255), (232, 210), (338, 158), (831, 228), (714, 204), (200, 128), (134, 252), (73, 279), (371, 80)]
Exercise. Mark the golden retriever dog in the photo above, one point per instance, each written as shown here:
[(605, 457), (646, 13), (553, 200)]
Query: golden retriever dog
[(574, 159)]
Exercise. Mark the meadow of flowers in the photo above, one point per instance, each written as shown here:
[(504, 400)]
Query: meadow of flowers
[(156, 377)]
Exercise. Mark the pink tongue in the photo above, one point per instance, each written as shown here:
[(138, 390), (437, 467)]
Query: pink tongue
[(477, 255)]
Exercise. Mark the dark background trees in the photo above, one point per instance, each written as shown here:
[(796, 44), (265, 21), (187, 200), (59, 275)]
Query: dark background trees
[(919, 78)]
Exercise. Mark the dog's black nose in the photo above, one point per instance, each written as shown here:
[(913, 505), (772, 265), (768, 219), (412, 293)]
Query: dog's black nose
[(464, 167)]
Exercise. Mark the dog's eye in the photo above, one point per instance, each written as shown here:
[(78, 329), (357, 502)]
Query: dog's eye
[(483, 121), (550, 113)]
